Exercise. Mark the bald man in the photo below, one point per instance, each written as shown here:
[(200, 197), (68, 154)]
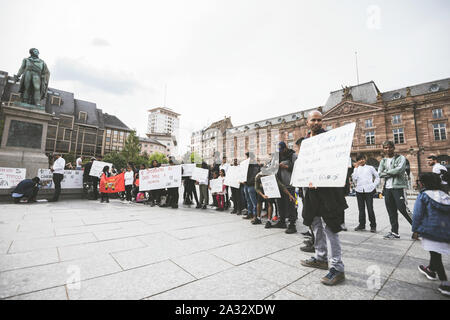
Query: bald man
[(322, 211)]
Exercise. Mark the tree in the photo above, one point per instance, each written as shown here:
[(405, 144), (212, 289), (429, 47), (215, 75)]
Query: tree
[(116, 159), (160, 157), (131, 150), (69, 157)]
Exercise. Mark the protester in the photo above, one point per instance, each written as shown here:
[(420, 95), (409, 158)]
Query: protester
[(173, 195), (249, 186), (58, 175), (155, 195), (322, 211), (215, 175), (90, 180), (431, 220), (220, 196), (104, 195), (129, 179), (79, 162), (392, 169), (366, 180), (203, 188), (236, 196), (440, 170), (27, 188), (225, 167)]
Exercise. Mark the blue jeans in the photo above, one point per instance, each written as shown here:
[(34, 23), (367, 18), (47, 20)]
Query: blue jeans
[(250, 194)]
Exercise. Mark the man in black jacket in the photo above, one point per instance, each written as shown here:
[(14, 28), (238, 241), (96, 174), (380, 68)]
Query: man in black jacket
[(26, 188), (322, 211), (249, 187), (90, 179)]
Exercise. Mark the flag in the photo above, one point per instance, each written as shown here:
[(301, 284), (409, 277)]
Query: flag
[(112, 184)]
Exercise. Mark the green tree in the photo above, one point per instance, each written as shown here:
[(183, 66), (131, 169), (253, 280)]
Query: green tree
[(70, 157), (132, 150), (160, 157), (116, 159)]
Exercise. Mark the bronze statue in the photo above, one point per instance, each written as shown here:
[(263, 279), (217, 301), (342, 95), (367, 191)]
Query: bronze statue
[(34, 82)]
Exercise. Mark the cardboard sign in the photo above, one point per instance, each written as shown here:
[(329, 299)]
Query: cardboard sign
[(243, 169), (270, 187), (11, 177), (216, 185), (97, 168), (188, 169), (200, 175), (160, 178), (232, 177), (323, 159), (73, 179)]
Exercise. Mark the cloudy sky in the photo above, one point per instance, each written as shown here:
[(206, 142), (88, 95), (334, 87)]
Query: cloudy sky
[(248, 59)]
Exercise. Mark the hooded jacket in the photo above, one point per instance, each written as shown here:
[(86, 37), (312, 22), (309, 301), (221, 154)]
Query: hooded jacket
[(284, 175), (431, 218)]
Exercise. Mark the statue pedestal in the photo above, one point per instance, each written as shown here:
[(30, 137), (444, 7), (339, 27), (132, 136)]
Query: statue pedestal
[(23, 138)]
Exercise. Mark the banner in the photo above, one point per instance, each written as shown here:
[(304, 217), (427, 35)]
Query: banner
[(188, 169), (270, 187), (232, 177), (112, 184), (73, 179), (200, 175), (323, 159), (97, 168), (243, 169), (11, 177), (160, 178), (216, 185)]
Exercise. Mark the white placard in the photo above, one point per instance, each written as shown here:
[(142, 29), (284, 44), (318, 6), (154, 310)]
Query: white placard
[(200, 175), (73, 179), (97, 168), (232, 177), (160, 178), (243, 169), (270, 187), (323, 159), (11, 177), (188, 169), (216, 185)]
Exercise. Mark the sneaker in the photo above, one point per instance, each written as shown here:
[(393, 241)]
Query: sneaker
[(308, 249), (415, 236), (308, 242), (198, 206), (333, 277), (307, 234), (257, 221), (431, 275), (275, 218), (280, 225), (291, 229), (247, 217), (204, 206), (234, 211), (444, 289), (268, 225), (358, 228), (239, 213), (391, 236), (373, 229), (314, 263)]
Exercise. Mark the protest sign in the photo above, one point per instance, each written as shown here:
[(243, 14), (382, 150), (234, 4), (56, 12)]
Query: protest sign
[(11, 177), (200, 175), (112, 184), (323, 159), (160, 178), (232, 177), (73, 179), (270, 186), (243, 169), (188, 169), (216, 185), (97, 168)]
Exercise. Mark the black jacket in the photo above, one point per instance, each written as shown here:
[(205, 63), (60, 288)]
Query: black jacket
[(253, 170), (25, 186)]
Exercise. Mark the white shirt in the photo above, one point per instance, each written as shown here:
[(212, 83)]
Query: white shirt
[(224, 166), (388, 184), (129, 177), (59, 165), (366, 178), (437, 167), (79, 162)]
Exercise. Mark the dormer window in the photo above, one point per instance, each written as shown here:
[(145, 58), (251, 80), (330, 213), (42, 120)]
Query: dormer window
[(55, 100), (82, 116)]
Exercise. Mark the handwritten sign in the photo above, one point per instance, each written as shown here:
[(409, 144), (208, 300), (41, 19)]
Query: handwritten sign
[(160, 178), (73, 179), (200, 175), (232, 177), (216, 185), (270, 186), (243, 169), (97, 168), (323, 159), (188, 169), (11, 177)]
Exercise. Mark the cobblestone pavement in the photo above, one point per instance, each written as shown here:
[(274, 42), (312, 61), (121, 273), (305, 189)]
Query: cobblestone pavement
[(79, 249)]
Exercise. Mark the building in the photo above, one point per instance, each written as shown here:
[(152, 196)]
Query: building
[(164, 122), (196, 142), (150, 146), (415, 118), (167, 140), (77, 127)]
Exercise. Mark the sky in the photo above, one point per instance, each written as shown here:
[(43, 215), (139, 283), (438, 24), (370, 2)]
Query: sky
[(207, 59)]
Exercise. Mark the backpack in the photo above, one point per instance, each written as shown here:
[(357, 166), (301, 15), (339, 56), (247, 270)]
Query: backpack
[(445, 175), (140, 197)]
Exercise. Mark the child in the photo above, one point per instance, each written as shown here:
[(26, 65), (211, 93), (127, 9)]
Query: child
[(431, 220), (129, 179), (220, 196), (105, 196)]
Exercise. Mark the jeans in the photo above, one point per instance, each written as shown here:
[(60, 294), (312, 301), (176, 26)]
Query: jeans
[(250, 194), (366, 199), (57, 178), (437, 266), (321, 234), (394, 200)]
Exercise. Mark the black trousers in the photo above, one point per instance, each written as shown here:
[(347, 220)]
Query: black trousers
[(172, 197), (128, 191), (394, 199), (57, 178), (366, 199), (95, 182), (192, 190), (287, 207), (236, 195), (437, 266)]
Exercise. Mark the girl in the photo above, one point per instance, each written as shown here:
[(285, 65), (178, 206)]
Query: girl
[(220, 196), (105, 196), (431, 220), (129, 179)]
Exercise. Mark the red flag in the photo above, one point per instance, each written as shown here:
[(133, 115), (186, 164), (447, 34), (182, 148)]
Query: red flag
[(112, 184)]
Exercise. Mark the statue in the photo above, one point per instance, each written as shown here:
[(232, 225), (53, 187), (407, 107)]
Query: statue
[(34, 82)]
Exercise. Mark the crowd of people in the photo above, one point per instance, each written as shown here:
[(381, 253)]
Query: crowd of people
[(322, 208)]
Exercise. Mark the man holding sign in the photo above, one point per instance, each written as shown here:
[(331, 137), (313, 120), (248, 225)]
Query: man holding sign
[(322, 211)]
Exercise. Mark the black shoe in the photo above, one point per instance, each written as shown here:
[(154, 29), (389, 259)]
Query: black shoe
[(307, 234), (280, 225), (52, 200), (247, 217), (308, 242), (373, 229), (308, 249), (268, 225), (239, 213), (291, 229), (426, 271), (199, 206), (257, 221), (175, 206), (360, 227), (204, 206), (233, 212), (107, 200)]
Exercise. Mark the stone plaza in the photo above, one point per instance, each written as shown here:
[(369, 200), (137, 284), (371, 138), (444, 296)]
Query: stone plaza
[(80, 249)]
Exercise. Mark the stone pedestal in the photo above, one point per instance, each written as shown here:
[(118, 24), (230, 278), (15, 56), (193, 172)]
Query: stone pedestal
[(23, 139)]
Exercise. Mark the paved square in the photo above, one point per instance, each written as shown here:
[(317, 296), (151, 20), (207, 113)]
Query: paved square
[(80, 249)]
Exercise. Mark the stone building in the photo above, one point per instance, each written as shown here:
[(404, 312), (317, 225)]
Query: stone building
[(149, 146)]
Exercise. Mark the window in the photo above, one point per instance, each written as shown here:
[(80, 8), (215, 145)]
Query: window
[(399, 136), (437, 113), (67, 134), (439, 131), (56, 100), (108, 132), (369, 123), (370, 137), (396, 119), (14, 97), (82, 116)]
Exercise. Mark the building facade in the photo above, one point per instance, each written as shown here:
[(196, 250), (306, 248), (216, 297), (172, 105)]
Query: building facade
[(164, 121), (150, 146)]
